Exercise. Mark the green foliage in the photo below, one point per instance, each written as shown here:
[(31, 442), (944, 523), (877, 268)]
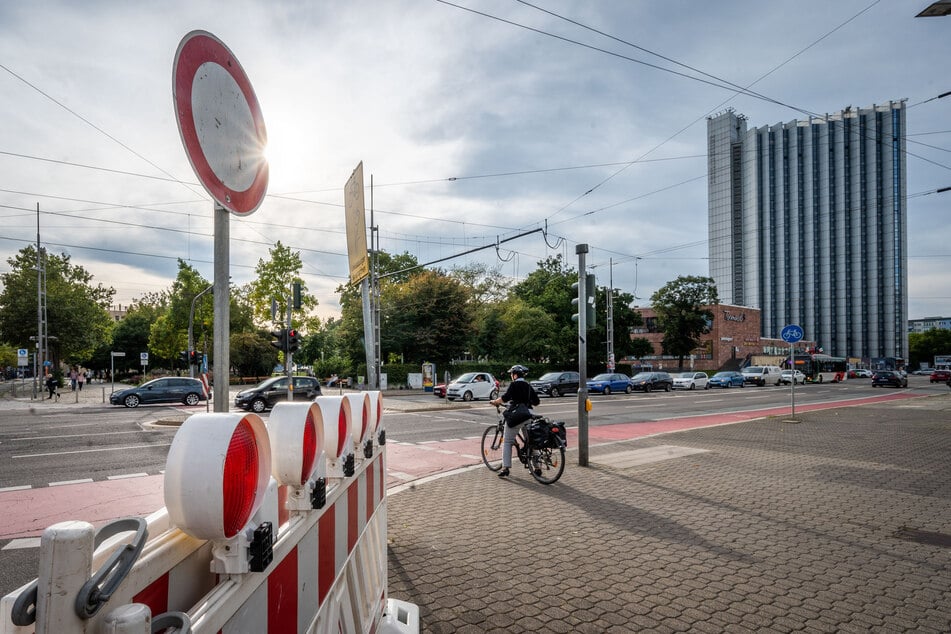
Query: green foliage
[(76, 309), (639, 348), (679, 307), (922, 347), (273, 281), (252, 353)]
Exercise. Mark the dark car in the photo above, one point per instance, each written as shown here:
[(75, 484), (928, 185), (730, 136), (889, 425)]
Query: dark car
[(727, 378), (167, 389), (610, 382), (268, 392), (940, 376), (650, 381), (885, 378), (557, 383)]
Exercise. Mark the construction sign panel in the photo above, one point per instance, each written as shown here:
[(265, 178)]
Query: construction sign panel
[(356, 226)]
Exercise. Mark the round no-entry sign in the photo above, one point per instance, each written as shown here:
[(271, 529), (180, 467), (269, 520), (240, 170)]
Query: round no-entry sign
[(220, 122)]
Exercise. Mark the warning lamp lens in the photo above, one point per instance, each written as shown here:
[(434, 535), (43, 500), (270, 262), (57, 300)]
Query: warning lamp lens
[(309, 448), (240, 479), (342, 436)]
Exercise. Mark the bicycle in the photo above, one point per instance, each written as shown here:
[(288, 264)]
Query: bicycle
[(546, 464)]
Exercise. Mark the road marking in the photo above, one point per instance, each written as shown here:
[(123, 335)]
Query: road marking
[(65, 482), (107, 433), (127, 475), (22, 487), (23, 542), (65, 453)]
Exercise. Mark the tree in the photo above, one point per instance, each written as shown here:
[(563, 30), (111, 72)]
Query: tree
[(549, 287), (252, 353), (923, 346), (527, 331), (76, 310), (274, 279), (680, 313), (640, 348)]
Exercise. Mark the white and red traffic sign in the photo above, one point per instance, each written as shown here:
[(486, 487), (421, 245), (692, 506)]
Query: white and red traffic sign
[(220, 122)]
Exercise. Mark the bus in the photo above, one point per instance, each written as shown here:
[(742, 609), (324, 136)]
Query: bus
[(888, 363), (821, 368)]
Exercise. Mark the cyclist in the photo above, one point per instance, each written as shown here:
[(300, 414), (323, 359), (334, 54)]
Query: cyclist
[(521, 396)]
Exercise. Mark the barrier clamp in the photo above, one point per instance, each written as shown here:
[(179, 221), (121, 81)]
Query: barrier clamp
[(348, 466), (166, 620), (318, 495), (99, 588)]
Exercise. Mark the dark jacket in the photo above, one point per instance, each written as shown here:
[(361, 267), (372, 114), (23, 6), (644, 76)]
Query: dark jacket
[(521, 391)]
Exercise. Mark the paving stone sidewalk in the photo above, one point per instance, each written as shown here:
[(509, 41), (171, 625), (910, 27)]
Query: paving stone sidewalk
[(840, 523)]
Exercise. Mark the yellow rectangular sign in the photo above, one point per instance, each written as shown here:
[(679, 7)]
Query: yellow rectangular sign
[(356, 226)]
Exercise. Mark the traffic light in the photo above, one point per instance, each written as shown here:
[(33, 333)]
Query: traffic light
[(293, 340), (590, 294), (183, 357), (194, 358), (281, 339)]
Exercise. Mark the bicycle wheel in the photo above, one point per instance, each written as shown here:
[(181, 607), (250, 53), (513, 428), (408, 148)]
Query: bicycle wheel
[(547, 464), (492, 447)]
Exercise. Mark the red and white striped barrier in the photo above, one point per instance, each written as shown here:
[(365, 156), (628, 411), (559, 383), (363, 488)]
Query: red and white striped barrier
[(323, 568)]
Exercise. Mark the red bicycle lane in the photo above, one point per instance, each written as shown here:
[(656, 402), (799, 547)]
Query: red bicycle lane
[(408, 462)]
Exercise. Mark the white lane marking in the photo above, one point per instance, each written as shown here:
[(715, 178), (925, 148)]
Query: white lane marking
[(107, 433), (65, 453), (22, 487), (127, 475), (64, 482), (22, 542)]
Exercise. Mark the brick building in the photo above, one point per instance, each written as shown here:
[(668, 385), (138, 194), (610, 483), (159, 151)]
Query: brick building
[(733, 341)]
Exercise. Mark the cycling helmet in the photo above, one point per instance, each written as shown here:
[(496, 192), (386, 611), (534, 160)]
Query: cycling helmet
[(518, 370)]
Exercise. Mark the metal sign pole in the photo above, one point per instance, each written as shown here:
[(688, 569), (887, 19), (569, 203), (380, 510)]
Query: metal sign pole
[(222, 300), (581, 249)]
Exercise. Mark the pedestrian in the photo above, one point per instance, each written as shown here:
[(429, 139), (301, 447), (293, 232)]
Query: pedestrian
[(80, 378), (73, 375), (51, 387), (521, 397)]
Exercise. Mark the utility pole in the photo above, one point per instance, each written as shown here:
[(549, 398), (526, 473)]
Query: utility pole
[(581, 250), (609, 323)]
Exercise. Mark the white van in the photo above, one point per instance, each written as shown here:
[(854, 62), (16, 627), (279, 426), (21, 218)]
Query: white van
[(762, 374)]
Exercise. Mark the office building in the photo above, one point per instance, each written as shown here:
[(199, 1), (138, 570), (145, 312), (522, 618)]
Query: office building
[(807, 222)]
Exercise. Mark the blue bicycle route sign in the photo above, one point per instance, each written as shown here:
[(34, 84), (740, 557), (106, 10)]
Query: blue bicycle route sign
[(791, 333)]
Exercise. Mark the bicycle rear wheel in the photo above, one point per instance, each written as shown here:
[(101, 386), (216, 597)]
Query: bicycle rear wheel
[(547, 464), (492, 447)]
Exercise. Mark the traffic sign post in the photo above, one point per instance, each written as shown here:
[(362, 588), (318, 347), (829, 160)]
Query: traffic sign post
[(792, 334), (222, 129)]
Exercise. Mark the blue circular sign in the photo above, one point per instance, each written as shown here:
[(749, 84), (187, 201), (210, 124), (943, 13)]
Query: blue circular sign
[(791, 333)]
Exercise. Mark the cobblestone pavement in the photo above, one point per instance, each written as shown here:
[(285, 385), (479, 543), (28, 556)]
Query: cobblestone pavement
[(840, 523)]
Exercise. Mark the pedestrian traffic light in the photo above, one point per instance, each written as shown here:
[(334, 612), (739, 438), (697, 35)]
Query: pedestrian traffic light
[(293, 340), (590, 293), (280, 341)]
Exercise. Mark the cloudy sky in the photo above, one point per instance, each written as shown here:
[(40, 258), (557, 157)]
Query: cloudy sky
[(478, 120)]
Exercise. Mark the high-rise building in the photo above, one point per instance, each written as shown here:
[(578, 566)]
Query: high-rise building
[(807, 222)]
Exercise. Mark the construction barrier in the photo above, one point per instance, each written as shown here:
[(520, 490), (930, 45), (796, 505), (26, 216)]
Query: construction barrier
[(267, 528)]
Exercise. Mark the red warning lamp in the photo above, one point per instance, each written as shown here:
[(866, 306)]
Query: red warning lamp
[(338, 445), (216, 474), (297, 439), (359, 417)]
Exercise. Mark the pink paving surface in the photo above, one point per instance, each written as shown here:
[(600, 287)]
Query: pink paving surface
[(28, 512)]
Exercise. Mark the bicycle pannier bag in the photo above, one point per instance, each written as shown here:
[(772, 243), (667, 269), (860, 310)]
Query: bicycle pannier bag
[(517, 414), (557, 435), (538, 433)]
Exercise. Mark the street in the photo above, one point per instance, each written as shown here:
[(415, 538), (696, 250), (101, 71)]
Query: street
[(72, 456)]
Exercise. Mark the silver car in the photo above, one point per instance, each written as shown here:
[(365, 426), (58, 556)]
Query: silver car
[(691, 381)]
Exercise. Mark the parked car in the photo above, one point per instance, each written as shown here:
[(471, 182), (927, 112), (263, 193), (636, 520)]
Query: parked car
[(610, 382), (762, 374), (940, 376), (860, 373), (650, 381), (439, 390), (557, 383), (167, 389), (885, 378), (691, 381), (267, 393), (473, 385), (788, 376), (727, 378)]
